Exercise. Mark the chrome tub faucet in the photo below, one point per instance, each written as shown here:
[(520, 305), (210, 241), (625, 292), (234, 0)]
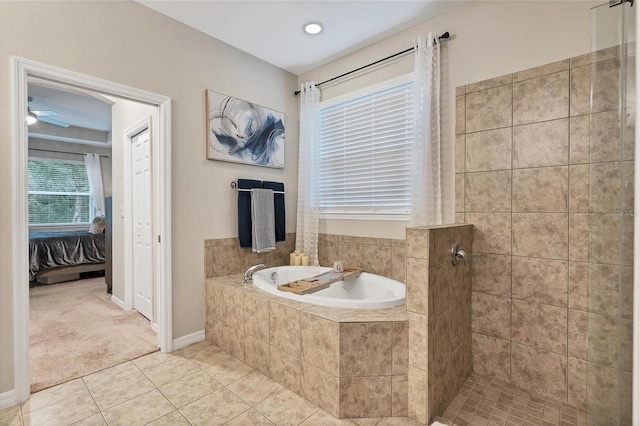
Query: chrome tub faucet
[(248, 275)]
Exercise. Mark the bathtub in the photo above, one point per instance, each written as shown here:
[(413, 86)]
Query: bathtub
[(368, 291)]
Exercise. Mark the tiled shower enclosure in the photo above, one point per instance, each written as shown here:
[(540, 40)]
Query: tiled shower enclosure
[(540, 173)]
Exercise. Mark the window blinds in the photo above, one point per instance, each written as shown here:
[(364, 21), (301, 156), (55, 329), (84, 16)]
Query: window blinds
[(58, 192), (365, 153)]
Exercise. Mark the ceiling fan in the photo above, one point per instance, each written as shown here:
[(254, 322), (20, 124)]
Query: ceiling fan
[(44, 116)]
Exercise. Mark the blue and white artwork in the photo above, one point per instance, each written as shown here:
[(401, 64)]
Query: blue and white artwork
[(242, 132)]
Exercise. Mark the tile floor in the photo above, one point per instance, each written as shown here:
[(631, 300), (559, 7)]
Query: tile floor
[(196, 385), (203, 385), (484, 401)]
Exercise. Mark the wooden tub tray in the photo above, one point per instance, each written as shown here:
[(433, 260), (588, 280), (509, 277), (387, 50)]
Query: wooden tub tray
[(319, 282)]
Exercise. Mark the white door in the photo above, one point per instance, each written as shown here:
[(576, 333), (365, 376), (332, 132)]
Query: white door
[(141, 219)]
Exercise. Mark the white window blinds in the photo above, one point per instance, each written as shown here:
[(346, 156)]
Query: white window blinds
[(365, 152), (58, 192)]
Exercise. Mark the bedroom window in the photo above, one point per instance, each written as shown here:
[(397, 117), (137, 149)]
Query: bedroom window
[(365, 152), (58, 192)]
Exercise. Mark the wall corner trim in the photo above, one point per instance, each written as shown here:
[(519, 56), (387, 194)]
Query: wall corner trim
[(183, 341), (8, 399)]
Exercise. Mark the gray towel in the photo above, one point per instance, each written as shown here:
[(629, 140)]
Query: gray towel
[(263, 221)]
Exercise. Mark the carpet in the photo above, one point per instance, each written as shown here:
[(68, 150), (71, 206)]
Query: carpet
[(76, 330)]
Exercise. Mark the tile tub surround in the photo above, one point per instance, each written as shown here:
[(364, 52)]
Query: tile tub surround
[(439, 314), (351, 363), (538, 175), (224, 256), (380, 256)]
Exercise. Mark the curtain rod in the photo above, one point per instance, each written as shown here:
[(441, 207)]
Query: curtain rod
[(63, 152), (442, 37)]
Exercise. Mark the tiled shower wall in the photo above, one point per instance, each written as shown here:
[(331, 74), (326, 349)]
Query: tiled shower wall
[(538, 175), (439, 315)]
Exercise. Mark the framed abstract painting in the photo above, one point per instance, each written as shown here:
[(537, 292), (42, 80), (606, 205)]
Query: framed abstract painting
[(243, 132)]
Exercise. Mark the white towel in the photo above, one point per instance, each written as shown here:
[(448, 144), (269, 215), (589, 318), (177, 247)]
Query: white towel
[(263, 223)]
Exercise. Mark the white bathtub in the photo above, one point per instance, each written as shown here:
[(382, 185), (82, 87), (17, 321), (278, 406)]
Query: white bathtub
[(368, 291)]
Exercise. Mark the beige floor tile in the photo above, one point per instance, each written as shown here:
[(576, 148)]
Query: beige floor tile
[(250, 417), (110, 374), (209, 356), (121, 390), (139, 410), (216, 408), (95, 420), (69, 410), (170, 370), (365, 421), (322, 418), (11, 416), (189, 388), (227, 372), (54, 394), (192, 348), (172, 419), (154, 358), (397, 421), (254, 388), (286, 408)]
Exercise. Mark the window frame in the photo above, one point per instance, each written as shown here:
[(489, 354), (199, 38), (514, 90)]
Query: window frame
[(68, 225), (378, 216)]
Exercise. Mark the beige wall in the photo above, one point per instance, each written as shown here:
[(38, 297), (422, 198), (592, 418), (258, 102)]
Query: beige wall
[(130, 44), (489, 38)]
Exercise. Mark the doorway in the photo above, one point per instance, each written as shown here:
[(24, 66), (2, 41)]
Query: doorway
[(160, 183)]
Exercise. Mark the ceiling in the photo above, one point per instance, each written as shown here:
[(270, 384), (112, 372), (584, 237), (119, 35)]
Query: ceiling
[(269, 30), (273, 30), (87, 114)]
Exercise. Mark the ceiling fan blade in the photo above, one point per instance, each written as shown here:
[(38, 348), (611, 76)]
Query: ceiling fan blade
[(52, 121), (44, 113)]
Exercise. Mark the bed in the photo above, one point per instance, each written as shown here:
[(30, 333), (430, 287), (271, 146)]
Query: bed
[(56, 256)]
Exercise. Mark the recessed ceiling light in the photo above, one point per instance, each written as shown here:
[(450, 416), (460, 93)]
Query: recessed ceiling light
[(313, 28)]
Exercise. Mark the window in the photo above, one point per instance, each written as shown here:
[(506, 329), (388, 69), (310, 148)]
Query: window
[(365, 152), (58, 192)]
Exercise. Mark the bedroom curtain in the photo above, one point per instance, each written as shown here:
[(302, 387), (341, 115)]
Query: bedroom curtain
[(426, 184), (308, 213), (92, 163)]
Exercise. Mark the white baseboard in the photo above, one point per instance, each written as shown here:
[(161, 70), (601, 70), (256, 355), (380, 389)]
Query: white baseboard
[(118, 302), (7, 399), (183, 341)]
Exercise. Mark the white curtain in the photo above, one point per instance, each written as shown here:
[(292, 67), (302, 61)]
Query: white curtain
[(92, 163), (308, 202), (426, 193)]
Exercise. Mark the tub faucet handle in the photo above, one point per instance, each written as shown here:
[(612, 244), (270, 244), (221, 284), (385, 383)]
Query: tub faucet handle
[(457, 253)]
